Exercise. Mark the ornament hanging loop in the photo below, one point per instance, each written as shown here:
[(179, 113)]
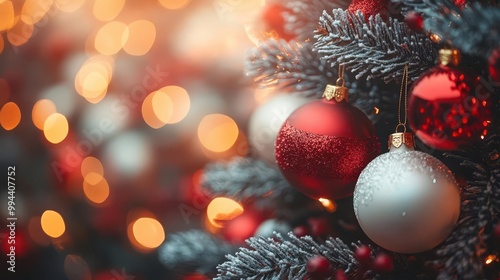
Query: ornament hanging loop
[(338, 92), (401, 125)]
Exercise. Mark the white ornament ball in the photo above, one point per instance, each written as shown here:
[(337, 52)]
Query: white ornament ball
[(407, 201), (266, 122)]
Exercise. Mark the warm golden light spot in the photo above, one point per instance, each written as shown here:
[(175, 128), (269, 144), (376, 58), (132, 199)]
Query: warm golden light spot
[(217, 132), (180, 101), (10, 116), (34, 10), (52, 223), (141, 36), (91, 165), (93, 78), (329, 205), (490, 259), (148, 112), (6, 16), (69, 6), (174, 4), (94, 85), (107, 10), (20, 33), (95, 187), (222, 209), (162, 106), (376, 110), (148, 232), (42, 109), (111, 38), (55, 128)]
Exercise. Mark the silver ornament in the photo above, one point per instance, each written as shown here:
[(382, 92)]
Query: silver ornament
[(266, 122), (406, 201)]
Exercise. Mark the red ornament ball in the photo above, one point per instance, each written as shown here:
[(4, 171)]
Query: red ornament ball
[(319, 226), (241, 228), (494, 65), (318, 267), (363, 255), (383, 263), (301, 231), (323, 146), (273, 16), (449, 108), (369, 8), (415, 21)]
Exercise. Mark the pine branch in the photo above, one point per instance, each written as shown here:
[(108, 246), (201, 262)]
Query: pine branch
[(289, 65), (249, 181), (475, 30), (297, 68), (461, 27), (463, 253), (194, 251), (303, 19), (280, 258), (373, 48)]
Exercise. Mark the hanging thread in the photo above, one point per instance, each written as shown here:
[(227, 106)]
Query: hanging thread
[(403, 94)]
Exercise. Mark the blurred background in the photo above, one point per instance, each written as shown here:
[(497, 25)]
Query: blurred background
[(109, 111)]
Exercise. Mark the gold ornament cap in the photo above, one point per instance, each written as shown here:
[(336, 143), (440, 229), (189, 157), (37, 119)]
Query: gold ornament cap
[(338, 92), (449, 57), (402, 139)]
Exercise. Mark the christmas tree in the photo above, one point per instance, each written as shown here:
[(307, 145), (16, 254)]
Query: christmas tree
[(414, 215)]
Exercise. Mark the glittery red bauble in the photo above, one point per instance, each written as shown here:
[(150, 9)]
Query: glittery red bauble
[(449, 108), (369, 8), (323, 146)]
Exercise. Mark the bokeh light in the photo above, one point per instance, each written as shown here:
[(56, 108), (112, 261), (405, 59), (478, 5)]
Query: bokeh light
[(329, 205), (148, 232), (111, 37), (34, 10), (6, 15), (141, 36), (52, 223), (91, 164), (222, 209), (128, 154), (217, 132), (156, 109), (42, 109), (107, 10), (174, 4), (180, 100), (95, 187), (20, 33), (69, 6), (55, 128), (93, 78), (10, 116)]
